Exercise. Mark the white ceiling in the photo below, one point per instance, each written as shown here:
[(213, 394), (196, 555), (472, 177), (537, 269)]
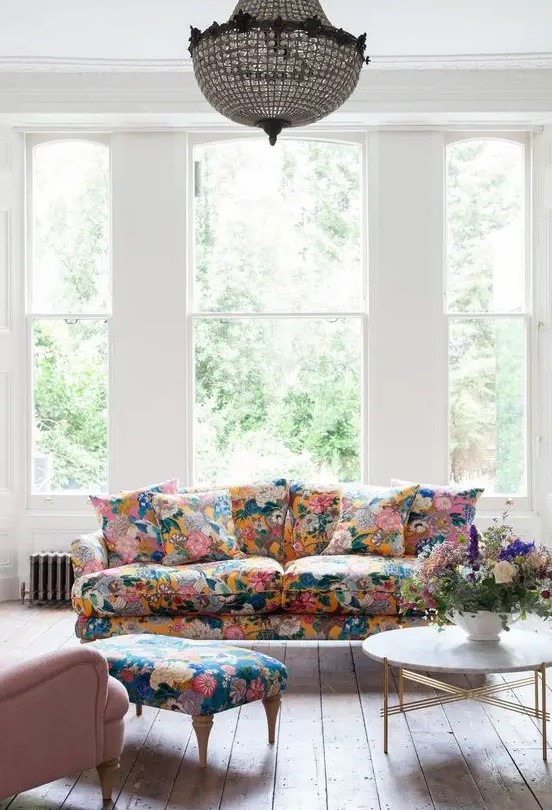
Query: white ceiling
[(159, 29)]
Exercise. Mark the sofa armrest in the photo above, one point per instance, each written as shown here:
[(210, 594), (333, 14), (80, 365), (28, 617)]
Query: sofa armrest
[(52, 712), (89, 554)]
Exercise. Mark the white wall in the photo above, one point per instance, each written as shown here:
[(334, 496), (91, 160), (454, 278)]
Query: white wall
[(148, 334), (158, 29), (11, 359), (408, 338)]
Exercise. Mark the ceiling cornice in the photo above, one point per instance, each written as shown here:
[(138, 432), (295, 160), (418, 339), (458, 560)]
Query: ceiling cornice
[(523, 96), (50, 64)]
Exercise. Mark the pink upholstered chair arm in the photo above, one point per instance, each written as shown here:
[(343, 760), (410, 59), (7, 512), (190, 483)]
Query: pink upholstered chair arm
[(89, 554), (54, 709)]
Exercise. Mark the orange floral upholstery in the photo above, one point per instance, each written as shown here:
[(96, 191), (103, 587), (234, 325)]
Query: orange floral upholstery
[(351, 583)]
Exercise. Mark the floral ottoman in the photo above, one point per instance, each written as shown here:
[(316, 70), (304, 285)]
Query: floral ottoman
[(194, 677)]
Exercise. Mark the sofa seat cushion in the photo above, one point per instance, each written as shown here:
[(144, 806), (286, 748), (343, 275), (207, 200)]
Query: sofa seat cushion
[(349, 583), (251, 585)]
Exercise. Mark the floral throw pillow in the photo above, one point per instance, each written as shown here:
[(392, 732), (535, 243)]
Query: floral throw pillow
[(196, 527), (372, 521), (130, 526), (259, 512), (312, 518), (439, 513)]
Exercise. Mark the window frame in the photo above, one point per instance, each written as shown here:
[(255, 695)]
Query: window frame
[(76, 500), (500, 503), (193, 315)]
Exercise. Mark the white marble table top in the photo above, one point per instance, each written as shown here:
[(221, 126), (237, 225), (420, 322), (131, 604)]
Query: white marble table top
[(425, 648)]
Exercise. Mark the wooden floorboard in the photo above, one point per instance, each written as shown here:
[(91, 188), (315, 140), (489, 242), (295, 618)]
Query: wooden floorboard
[(500, 781), (346, 746), (252, 766), (400, 781), (301, 771), (328, 753)]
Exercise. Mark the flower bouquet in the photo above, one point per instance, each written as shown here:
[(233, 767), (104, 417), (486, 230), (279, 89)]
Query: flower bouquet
[(490, 573)]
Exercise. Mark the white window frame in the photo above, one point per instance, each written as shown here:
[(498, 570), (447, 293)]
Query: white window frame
[(192, 315), (56, 501), (500, 503)]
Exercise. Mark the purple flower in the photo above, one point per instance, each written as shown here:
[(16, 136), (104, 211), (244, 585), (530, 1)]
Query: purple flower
[(516, 549), (473, 548)]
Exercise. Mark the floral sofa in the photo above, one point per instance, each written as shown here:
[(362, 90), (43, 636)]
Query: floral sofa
[(301, 568)]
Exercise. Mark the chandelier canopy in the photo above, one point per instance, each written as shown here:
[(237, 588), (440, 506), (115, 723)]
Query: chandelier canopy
[(276, 64)]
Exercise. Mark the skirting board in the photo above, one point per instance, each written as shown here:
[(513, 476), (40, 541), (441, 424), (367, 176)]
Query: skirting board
[(9, 589)]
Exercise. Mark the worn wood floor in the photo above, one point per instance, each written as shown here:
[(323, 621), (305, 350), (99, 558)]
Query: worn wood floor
[(328, 754)]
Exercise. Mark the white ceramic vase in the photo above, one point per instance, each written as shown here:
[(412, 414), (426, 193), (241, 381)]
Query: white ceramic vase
[(481, 626)]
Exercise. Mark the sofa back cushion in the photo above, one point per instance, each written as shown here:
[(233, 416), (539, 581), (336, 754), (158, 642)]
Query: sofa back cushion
[(311, 520), (373, 521), (196, 527), (439, 513), (130, 526), (259, 513)]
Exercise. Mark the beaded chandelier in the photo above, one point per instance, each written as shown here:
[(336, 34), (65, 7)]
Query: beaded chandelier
[(276, 64)]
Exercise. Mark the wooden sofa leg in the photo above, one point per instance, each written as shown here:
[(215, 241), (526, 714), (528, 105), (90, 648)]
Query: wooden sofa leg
[(202, 726), (138, 710), (107, 772), (272, 707)]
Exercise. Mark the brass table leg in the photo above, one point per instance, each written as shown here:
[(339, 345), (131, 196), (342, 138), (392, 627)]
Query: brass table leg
[(401, 687), (543, 708), (488, 694), (385, 705)]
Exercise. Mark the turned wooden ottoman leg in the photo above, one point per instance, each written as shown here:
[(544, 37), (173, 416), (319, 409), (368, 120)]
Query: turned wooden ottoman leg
[(107, 772), (202, 726), (272, 707)]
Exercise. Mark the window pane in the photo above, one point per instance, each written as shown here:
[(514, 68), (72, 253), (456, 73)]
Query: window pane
[(277, 397), (278, 229), (70, 227), (488, 404), (486, 226), (70, 405)]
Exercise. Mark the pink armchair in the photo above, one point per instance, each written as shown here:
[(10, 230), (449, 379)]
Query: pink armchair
[(60, 714)]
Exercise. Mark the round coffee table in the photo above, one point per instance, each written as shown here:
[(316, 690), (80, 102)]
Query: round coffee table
[(416, 650)]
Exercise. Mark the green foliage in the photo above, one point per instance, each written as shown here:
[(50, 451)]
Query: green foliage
[(278, 230), (487, 357), (70, 356)]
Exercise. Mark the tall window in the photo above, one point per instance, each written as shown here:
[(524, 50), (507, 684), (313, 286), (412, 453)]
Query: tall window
[(488, 305), (69, 300), (278, 310)]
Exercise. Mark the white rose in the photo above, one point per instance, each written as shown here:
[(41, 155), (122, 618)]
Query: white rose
[(422, 504), (288, 626), (173, 676), (266, 493), (504, 572)]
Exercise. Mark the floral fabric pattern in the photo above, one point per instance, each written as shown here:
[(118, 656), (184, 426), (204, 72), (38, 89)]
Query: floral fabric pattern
[(250, 585), (348, 584), (312, 518), (196, 527), (372, 521), (439, 514), (259, 512), (191, 677), (130, 526), (89, 554), (270, 627)]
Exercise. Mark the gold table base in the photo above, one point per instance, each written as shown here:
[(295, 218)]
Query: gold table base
[(482, 694)]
